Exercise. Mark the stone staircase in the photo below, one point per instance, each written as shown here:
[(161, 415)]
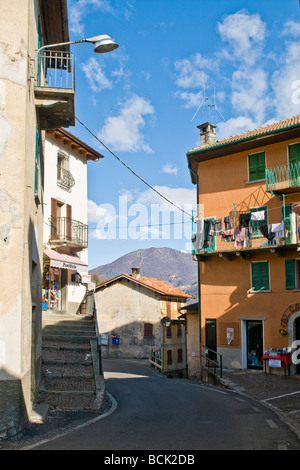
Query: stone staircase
[(71, 378)]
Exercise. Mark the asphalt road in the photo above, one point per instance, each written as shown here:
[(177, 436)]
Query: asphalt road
[(153, 412)]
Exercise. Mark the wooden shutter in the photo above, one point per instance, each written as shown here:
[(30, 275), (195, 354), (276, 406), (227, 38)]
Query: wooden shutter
[(260, 276), (53, 219), (69, 222), (257, 166), (290, 281)]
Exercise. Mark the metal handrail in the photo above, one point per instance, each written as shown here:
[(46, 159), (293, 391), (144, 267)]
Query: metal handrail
[(55, 69), (66, 181), (212, 359), (65, 229), (155, 359)]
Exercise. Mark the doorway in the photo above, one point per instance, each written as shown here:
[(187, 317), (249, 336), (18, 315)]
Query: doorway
[(254, 338), (211, 337), (297, 338)]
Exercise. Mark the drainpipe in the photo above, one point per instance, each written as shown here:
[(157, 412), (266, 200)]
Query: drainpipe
[(199, 282)]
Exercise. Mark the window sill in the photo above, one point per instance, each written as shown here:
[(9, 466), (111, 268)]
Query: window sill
[(259, 291), (256, 181)]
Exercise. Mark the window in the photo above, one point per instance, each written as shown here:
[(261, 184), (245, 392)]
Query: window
[(169, 331), (179, 355), (257, 166), (169, 356), (148, 329), (179, 330), (260, 276), (259, 222), (292, 274)]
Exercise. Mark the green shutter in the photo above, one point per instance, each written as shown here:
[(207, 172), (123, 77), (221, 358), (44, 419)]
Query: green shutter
[(37, 162), (257, 166), (290, 274), (294, 153), (260, 276)]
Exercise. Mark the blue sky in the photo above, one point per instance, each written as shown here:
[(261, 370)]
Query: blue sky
[(177, 62)]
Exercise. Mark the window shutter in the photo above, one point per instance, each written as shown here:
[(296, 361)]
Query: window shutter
[(290, 274), (69, 222), (53, 219), (260, 276), (37, 162), (257, 166)]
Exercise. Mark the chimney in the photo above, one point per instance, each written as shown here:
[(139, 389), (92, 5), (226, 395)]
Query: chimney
[(135, 272), (207, 133)]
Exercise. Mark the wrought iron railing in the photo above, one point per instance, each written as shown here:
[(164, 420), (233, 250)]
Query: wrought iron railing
[(65, 179), (55, 69), (68, 230), (283, 176), (212, 360)]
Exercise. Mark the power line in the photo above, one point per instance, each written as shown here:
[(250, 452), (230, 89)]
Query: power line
[(132, 171)]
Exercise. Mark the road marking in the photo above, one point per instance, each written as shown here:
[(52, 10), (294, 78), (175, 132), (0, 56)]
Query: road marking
[(280, 396), (256, 409), (271, 423)]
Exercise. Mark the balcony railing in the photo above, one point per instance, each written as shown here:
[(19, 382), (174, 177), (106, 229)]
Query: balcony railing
[(252, 238), (65, 179), (55, 88), (282, 177), (55, 69), (69, 231)]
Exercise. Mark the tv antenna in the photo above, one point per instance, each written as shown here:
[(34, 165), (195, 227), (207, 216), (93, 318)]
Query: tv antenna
[(209, 105)]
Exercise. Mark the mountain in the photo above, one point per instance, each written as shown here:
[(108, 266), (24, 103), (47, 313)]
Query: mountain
[(166, 264)]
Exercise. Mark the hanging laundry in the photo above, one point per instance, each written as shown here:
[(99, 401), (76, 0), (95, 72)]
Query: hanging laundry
[(266, 233), (228, 233), (278, 229), (240, 237), (244, 220), (206, 236), (227, 223), (259, 215), (216, 227)]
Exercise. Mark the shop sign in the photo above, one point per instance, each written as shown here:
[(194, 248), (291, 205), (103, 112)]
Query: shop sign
[(67, 265)]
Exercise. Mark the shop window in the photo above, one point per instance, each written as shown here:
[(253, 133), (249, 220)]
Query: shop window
[(260, 280), (257, 166)]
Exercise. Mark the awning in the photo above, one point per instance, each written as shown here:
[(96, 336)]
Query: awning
[(85, 277), (63, 261)]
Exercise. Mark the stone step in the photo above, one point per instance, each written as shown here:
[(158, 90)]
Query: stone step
[(67, 369), (75, 355), (68, 400), (68, 384)]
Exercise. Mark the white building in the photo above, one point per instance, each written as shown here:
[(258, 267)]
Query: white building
[(65, 273)]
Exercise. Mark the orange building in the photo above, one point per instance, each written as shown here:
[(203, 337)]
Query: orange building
[(247, 241)]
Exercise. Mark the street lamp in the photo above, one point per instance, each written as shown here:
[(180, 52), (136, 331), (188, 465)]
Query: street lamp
[(103, 43)]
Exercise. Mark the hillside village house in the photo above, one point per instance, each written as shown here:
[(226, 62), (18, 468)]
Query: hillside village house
[(65, 268), (247, 242), (138, 317), (25, 114)]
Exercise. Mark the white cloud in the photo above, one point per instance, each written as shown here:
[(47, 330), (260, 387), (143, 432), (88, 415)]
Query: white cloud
[(249, 92), (170, 169), (234, 126), (124, 132), (95, 75), (245, 34), (78, 9), (179, 196)]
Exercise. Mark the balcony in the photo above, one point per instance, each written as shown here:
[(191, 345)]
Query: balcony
[(245, 241), (55, 89), (65, 179), (68, 233), (283, 178)]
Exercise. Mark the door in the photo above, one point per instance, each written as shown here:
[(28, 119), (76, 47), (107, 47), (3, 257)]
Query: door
[(211, 337), (297, 338), (254, 330)]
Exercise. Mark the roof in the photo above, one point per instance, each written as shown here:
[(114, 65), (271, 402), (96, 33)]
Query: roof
[(275, 132), (150, 283), (268, 129), (76, 144)]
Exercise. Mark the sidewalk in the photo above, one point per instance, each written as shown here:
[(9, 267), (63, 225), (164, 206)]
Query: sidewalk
[(281, 393)]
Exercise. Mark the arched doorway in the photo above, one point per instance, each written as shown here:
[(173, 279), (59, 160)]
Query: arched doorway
[(297, 337), (294, 335)]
